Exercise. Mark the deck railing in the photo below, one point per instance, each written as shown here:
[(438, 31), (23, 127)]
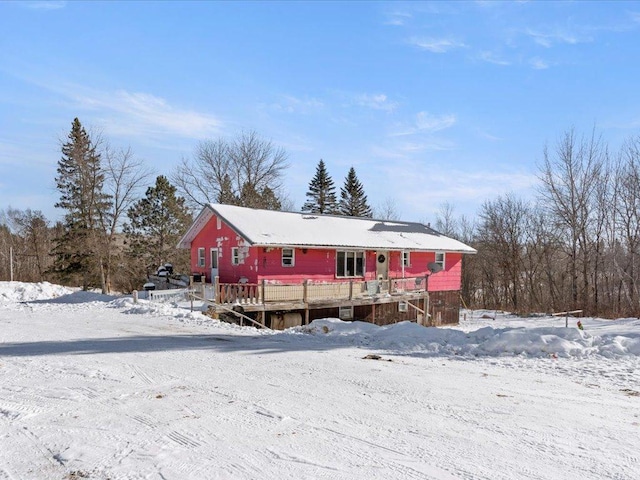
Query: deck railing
[(310, 291)]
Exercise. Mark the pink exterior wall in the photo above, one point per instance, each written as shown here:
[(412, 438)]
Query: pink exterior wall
[(258, 263), (224, 239)]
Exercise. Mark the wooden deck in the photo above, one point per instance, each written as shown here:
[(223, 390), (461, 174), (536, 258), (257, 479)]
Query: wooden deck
[(283, 305), (278, 305), (268, 296)]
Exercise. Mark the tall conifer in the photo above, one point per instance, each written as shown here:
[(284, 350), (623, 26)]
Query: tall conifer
[(321, 194), (80, 181), (156, 223), (353, 201)]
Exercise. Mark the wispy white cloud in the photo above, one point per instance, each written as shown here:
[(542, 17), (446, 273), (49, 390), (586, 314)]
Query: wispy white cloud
[(549, 38), (397, 18), (45, 5), (292, 104), (407, 149), (487, 136), (635, 16), (538, 63), (491, 57), (436, 45), (387, 152), (470, 187), (375, 101), (434, 123), (426, 122), (140, 114)]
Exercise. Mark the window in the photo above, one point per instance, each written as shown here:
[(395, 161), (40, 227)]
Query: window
[(406, 259), (440, 259), (201, 257), (288, 258), (235, 256), (349, 263)]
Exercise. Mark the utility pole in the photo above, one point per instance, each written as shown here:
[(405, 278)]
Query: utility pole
[(11, 263)]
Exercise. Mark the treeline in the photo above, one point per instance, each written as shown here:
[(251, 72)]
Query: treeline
[(575, 246), (112, 236)]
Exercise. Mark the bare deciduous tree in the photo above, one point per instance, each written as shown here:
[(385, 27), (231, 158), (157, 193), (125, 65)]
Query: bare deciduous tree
[(569, 178), (125, 177), (226, 171), (27, 232), (387, 210), (503, 225), (446, 222)]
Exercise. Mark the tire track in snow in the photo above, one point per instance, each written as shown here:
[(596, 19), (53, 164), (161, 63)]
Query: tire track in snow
[(185, 440), (141, 374)]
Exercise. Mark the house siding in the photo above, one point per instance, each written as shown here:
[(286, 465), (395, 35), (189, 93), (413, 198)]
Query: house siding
[(258, 263)]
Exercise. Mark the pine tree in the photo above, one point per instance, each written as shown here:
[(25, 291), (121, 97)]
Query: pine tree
[(80, 181), (226, 194), (265, 199), (353, 201), (322, 193), (156, 223)]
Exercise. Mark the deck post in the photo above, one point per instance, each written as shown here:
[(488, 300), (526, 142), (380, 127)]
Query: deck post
[(216, 289), (373, 313), (350, 289), (305, 300), (262, 285)]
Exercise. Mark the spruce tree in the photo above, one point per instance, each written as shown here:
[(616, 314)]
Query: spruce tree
[(156, 223), (79, 250), (353, 201), (226, 194), (322, 193)]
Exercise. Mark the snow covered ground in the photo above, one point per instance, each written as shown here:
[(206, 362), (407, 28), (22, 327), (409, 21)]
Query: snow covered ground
[(98, 387)]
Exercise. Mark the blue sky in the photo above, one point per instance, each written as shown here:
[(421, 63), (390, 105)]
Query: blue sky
[(430, 102)]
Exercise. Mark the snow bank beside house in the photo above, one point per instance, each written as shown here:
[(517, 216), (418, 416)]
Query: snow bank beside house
[(614, 339), (29, 292), (495, 335)]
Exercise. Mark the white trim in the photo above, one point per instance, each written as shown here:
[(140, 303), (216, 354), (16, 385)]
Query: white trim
[(288, 261), (356, 254), (235, 256), (201, 262)]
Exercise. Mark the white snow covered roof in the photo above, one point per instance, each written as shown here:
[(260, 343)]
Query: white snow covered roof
[(275, 228)]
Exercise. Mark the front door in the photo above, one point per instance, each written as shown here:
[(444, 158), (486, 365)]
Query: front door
[(382, 265), (214, 263)]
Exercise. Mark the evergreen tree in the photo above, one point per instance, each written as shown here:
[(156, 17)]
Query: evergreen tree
[(265, 199), (80, 181), (353, 201), (156, 223), (270, 200), (322, 193), (226, 194)]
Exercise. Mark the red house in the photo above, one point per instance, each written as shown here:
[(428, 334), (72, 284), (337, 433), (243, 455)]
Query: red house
[(280, 266)]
